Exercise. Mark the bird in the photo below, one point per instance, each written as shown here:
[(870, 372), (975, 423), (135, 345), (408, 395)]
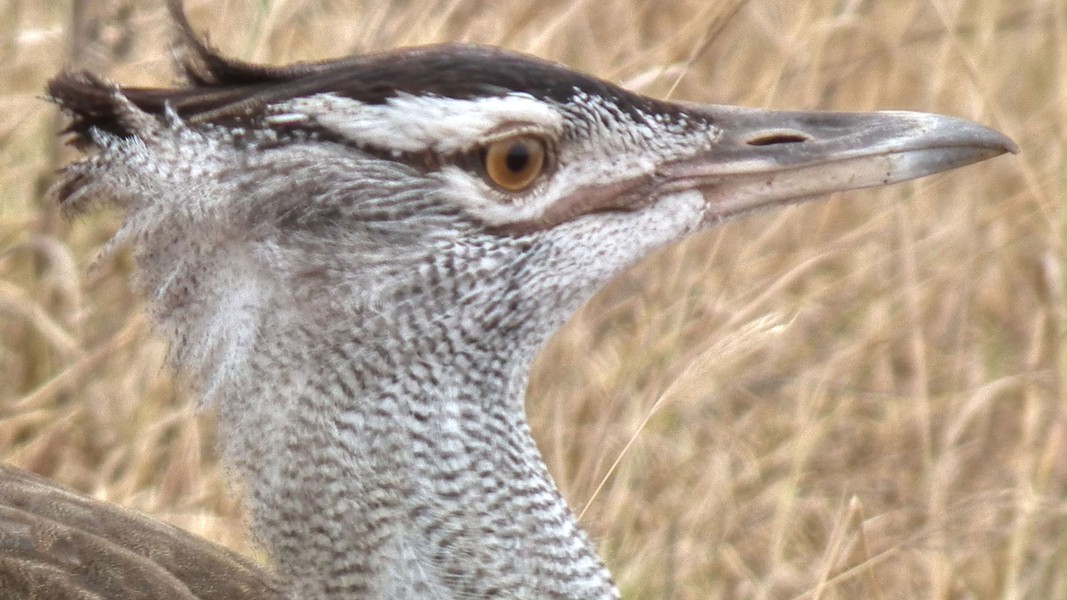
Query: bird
[(355, 262)]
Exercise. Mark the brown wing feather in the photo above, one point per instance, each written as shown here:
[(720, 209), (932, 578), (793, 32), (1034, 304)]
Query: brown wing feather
[(55, 543)]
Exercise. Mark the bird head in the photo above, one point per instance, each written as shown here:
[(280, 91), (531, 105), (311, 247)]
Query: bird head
[(496, 189)]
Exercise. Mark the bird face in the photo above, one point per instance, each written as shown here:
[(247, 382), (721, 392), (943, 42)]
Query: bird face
[(523, 154), (592, 177)]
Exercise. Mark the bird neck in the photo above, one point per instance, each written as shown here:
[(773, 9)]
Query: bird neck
[(395, 461)]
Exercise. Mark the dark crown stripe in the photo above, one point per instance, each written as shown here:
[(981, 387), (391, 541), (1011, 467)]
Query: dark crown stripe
[(228, 92)]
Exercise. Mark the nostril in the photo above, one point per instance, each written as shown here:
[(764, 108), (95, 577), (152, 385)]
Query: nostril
[(772, 138)]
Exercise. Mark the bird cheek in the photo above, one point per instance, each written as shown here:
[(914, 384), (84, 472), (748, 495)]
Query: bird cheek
[(679, 214)]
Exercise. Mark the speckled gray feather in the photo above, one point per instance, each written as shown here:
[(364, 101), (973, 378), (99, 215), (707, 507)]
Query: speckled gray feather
[(368, 363)]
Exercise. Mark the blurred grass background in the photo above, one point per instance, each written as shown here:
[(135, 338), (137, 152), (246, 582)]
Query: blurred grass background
[(856, 398)]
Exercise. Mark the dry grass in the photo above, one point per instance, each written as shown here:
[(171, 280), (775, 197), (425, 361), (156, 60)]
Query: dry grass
[(859, 398)]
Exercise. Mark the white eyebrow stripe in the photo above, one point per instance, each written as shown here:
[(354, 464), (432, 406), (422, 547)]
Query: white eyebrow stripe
[(408, 123)]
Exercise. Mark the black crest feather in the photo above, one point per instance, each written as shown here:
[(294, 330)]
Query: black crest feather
[(227, 91)]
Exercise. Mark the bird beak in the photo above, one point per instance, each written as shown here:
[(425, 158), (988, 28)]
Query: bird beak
[(762, 158)]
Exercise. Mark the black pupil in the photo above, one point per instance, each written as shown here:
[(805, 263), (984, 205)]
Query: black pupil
[(517, 158)]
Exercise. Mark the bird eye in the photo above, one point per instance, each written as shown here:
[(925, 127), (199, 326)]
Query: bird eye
[(514, 163)]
